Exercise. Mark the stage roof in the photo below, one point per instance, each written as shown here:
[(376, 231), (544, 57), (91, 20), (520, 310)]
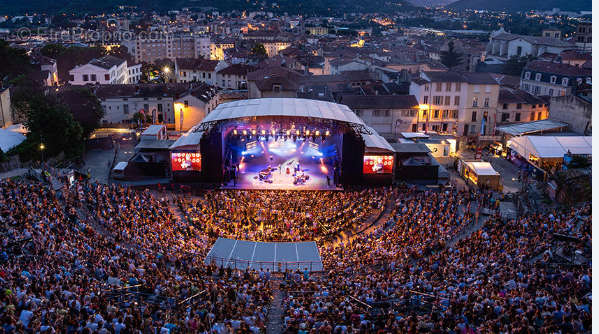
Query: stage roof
[(291, 107), (374, 142), (242, 254), (189, 139)]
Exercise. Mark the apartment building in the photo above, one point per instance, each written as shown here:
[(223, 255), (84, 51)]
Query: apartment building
[(387, 114), (197, 70), (179, 105), (516, 105), (107, 70), (234, 76), (553, 79), (160, 45), (461, 104)]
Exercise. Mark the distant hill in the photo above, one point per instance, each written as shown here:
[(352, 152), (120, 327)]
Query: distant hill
[(291, 6), (522, 5)]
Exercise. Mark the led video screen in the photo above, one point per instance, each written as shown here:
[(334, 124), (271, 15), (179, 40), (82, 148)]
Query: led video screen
[(378, 164)]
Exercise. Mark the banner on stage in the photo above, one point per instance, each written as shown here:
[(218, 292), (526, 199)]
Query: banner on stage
[(378, 164)]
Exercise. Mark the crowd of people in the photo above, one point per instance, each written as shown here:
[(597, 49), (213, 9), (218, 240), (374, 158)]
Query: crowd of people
[(423, 273), (282, 215), (93, 258)]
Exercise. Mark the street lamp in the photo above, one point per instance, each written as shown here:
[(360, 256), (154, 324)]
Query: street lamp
[(166, 69), (42, 148)]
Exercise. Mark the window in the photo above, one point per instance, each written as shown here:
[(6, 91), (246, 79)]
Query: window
[(125, 109), (276, 88), (71, 77), (448, 87), (540, 115), (550, 91), (85, 77), (414, 127), (505, 106), (426, 88), (458, 86), (517, 117), (536, 90), (538, 77), (474, 116), (456, 100), (425, 100), (94, 77), (203, 75), (565, 82), (454, 114), (447, 100), (553, 79), (436, 113), (475, 102), (473, 129), (505, 117), (476, 89), (444, 127), (532, 116), (445, 114), (377, 113), (146, 107), (486, 102), (186, 103), (526, 87), (209, 75), (437, 100), (107, 77), (487, 88), (438, 86), (527, 75)]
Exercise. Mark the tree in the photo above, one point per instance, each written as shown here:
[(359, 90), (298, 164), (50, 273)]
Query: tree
[(85, 107), (451, 58), (50, 123), (15, 68), (259, 51)]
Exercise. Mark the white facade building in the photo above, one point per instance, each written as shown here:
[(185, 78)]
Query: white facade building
[(107, 70)]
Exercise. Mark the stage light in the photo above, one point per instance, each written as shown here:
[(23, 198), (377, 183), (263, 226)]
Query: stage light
[(317, 133), (263, 132), (307, 132), (272, 132), (245, 132), (254, 132), (235, 132), (327, 133), (288, 133), (297, 132)]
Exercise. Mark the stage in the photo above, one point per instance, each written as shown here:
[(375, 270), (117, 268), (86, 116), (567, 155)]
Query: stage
[(285, 165)]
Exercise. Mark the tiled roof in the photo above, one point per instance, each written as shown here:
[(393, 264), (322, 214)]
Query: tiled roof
[(107, 62), (379, 101), (508, 95), (196, 64), (557, 68), (237, 69)]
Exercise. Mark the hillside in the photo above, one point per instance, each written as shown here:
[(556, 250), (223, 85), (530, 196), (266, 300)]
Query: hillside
[(523, 5), (322, 7)]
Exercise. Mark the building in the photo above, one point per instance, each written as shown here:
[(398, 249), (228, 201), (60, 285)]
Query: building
[(503, 45), (192, 106), (553, 79), (273, 81), (156, 102), (515, 106), (574, 110), (387, 114), (5, 108), (273, 47), (552, 33), (583, 35), (197, 70), (48, 69), (107, 70), (234, 76), (462, 104), (317, 31)]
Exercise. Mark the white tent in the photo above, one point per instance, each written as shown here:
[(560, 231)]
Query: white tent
[(481, 168), (10, 139), (544, 147)]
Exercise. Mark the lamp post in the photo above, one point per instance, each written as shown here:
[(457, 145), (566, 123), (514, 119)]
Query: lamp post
[(42, 148)]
